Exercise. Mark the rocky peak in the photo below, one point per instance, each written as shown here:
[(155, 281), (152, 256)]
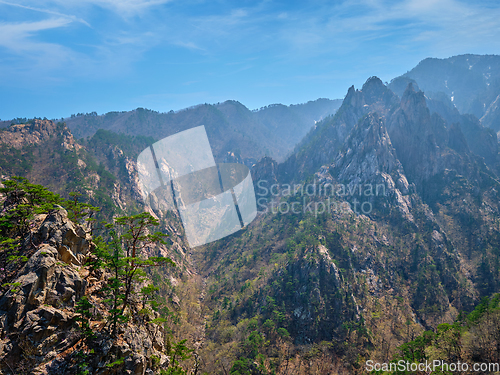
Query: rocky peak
[(37, 132), (322, 145), (370, 145), (375, 91), (353, 98), (414, 105), (71, 241), (370, 159)]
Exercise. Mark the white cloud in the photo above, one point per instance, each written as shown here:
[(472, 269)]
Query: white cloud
[(47, 11), (188, 45), (17, 36)]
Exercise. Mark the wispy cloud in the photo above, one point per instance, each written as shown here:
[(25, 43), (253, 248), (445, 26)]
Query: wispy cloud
[(351, 25), (47, 11), (188, 45), (17, 36), (123, 7)]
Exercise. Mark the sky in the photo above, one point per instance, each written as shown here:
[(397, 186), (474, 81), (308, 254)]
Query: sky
[(62, 57)]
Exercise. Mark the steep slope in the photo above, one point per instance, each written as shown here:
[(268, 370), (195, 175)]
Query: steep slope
[(471, 81), (321, 145), (103, 170), (369, 159), (383, 224)]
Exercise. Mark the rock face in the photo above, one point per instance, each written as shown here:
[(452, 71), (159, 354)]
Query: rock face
[(264, 176), (71, 242), (369, 160), (30, 321), (329, 304), (321, 146), (397, 143), (37, 132), (38, 313)]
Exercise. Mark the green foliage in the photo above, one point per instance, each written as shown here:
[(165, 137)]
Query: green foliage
[(14, 161), (130, 145), (177, 352), (24, 201), (283, 333), (148, 294), (252, 344), (486, 305), (116, 363), (79, 211), (123, 256), (155, 361), (110, 255), (83, 307), (454, 342)]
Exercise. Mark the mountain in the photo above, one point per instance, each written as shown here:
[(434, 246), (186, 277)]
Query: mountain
[(377, 228), (62, 299), (231, 127), (472, 82), (48, 260)]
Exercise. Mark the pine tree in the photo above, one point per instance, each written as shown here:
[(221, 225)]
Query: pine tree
[(123, 255)]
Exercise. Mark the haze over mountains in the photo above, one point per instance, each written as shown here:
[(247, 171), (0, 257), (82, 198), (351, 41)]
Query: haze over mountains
[(343, 278), (231, 127)]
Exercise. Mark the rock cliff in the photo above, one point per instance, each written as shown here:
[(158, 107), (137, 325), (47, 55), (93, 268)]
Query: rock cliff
[(39, 312)]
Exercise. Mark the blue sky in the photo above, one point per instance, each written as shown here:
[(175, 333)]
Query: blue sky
[(59, 57)]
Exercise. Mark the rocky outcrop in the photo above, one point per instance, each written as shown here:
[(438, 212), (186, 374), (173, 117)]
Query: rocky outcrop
[(38, 311), (71, 241), (264, 176), (321, 145), (428, 147), (38, 132), (369, 160)]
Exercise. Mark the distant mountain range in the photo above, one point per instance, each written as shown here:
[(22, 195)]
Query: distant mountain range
[(231, 127)]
